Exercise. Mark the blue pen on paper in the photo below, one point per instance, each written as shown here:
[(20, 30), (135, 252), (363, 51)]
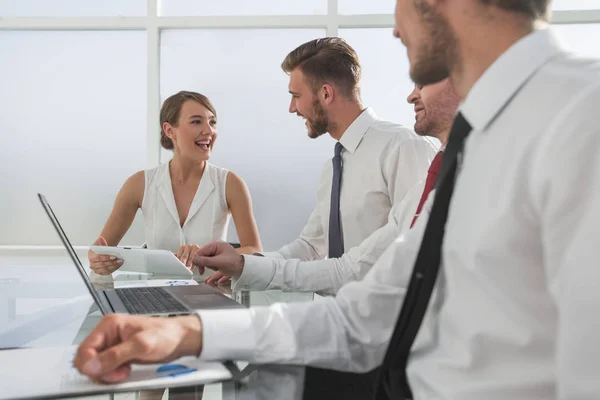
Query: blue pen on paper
[(173, 370), (177, 283)]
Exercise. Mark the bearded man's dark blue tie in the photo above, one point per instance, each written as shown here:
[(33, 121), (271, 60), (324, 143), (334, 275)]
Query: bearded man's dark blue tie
[(336, 238)]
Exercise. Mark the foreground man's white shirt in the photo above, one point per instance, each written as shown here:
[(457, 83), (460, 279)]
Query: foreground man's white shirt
[(516, 312)]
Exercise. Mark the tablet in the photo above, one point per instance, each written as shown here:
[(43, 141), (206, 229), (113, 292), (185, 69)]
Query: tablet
[(155, 262)]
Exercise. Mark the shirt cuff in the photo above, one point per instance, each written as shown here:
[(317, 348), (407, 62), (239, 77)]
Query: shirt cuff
[(272, 254), (256, 275), (227, 335)]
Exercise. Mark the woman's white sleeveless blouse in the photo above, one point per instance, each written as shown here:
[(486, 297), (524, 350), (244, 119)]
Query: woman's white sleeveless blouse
[(207, 219)]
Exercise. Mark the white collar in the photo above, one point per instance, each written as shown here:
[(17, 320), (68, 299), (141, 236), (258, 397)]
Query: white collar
[(505, 77), (354, 133)]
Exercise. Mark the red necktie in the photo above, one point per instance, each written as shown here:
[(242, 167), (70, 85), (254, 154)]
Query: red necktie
[(429, 183)]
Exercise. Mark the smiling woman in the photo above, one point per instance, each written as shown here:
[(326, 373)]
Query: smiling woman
[(198, 109), (186, 202)]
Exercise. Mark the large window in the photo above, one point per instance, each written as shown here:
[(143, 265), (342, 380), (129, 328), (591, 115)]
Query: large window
[(386, 58), (242, 7), (576, 4), (72, 8), (581, 38), (349, 7), (73, 127), (82, 82)]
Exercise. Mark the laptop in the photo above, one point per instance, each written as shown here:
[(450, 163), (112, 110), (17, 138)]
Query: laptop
[(156, 301)]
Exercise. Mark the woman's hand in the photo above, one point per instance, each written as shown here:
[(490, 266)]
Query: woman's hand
[(217, 278), (225, 289), (103, 264), (186, 254)]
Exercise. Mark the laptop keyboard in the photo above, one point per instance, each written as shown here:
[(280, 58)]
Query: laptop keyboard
[(152, 300)]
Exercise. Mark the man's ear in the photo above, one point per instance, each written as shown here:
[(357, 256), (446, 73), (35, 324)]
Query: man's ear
[(328, 93)]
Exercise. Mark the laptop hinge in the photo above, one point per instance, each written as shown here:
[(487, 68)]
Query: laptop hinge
[(106, 306)]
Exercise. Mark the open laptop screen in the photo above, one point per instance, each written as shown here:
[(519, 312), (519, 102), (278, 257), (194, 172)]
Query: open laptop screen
[(71, 251)]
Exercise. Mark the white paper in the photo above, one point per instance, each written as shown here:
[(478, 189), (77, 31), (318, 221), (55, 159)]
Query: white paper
[(26, 373)]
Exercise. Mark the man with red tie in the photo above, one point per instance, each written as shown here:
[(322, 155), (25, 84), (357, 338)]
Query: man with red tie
[(435, 107)]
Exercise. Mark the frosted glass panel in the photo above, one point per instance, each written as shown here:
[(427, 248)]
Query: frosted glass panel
[(239, 70), (581, 38), (575, 4), (73, 128), (242, 7), (366, 7), (72, 8), (386, 83)]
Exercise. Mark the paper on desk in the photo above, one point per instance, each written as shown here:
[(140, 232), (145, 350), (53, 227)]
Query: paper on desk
[(48, 372), (154, 282)]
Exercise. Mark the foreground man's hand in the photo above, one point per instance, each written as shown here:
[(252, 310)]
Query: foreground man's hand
[(118, 341)]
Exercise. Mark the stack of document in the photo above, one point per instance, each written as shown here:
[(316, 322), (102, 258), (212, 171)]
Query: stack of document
[(49, 373)]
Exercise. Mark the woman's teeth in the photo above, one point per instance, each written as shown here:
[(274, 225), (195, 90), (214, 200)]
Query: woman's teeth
[(203, 144)]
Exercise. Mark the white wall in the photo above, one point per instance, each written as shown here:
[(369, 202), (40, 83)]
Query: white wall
[(79, 102)]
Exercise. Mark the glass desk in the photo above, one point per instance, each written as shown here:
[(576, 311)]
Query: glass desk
[(44, 303)]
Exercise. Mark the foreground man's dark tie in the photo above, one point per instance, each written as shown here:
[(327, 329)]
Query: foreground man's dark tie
[(392, 382)]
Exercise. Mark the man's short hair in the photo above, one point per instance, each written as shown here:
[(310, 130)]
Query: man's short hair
[(327, 60)]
